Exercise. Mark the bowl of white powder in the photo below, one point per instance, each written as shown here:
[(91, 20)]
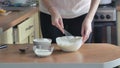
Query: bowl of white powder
[(69, 43), (43, 52), (42, 47)]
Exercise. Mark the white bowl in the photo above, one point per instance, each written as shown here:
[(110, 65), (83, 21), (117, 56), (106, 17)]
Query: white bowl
[(43, 52), (69, 43), (42, 42)]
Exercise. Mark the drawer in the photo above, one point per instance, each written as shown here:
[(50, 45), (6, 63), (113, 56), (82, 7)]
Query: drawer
[(25, 29)]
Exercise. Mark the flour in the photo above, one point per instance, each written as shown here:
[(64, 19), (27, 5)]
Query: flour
[(64, 41), (69, 43), (42, 52)]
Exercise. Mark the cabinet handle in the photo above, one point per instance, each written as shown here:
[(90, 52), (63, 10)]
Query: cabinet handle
[(29, 28)]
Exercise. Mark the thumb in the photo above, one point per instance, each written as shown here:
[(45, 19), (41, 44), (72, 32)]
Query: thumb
[(83, 34), (61, 25)]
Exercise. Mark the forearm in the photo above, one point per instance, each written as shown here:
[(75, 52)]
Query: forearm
[(93, 9), (51, 9)]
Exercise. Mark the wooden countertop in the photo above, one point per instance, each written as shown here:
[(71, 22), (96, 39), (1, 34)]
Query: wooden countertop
[(15, 18), (88, 53)]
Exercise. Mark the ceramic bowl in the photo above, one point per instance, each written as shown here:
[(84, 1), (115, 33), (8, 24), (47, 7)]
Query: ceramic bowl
[(69, 43), (43, 43), (43, 52)]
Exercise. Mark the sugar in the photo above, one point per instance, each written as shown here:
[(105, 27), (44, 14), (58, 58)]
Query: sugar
[(42, 52)]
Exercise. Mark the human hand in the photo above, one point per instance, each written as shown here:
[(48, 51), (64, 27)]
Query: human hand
[(57, 21), (86, 29), (55, 15)]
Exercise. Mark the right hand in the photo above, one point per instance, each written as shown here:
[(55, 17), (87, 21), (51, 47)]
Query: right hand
[(57, 21), (55, 15)]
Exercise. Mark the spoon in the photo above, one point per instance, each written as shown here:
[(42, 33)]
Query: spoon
[(67, 33)]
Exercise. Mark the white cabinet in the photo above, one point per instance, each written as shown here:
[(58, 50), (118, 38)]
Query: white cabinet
[(27, 30), (7, 37), (24, 32)]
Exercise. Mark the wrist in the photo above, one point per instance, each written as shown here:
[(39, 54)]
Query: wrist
[(52, 11), (88, 19)]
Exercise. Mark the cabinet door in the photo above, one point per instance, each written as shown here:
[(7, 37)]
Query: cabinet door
[(25, 29), (24, 41), (7, 36)]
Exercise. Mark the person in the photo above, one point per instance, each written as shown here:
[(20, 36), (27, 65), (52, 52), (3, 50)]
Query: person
[(75, 16)]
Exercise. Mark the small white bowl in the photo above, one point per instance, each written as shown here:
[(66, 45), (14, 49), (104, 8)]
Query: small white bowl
[(43, 52), (42, 42), (69, 43)]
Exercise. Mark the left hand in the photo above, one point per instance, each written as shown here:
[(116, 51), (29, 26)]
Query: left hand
[(86, 29)]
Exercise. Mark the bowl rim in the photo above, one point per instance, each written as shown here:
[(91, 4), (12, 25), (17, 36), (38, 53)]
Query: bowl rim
[(72, 50), (35, 40)]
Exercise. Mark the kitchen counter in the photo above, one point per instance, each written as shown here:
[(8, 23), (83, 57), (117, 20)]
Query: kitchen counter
[(16, 17), (88, 56)]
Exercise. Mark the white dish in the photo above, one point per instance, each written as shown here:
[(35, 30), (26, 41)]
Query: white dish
[(42, 52), (69, 43), (42, 42)]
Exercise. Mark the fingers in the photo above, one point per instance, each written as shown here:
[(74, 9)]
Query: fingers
[(85, 35), (59, 24)]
